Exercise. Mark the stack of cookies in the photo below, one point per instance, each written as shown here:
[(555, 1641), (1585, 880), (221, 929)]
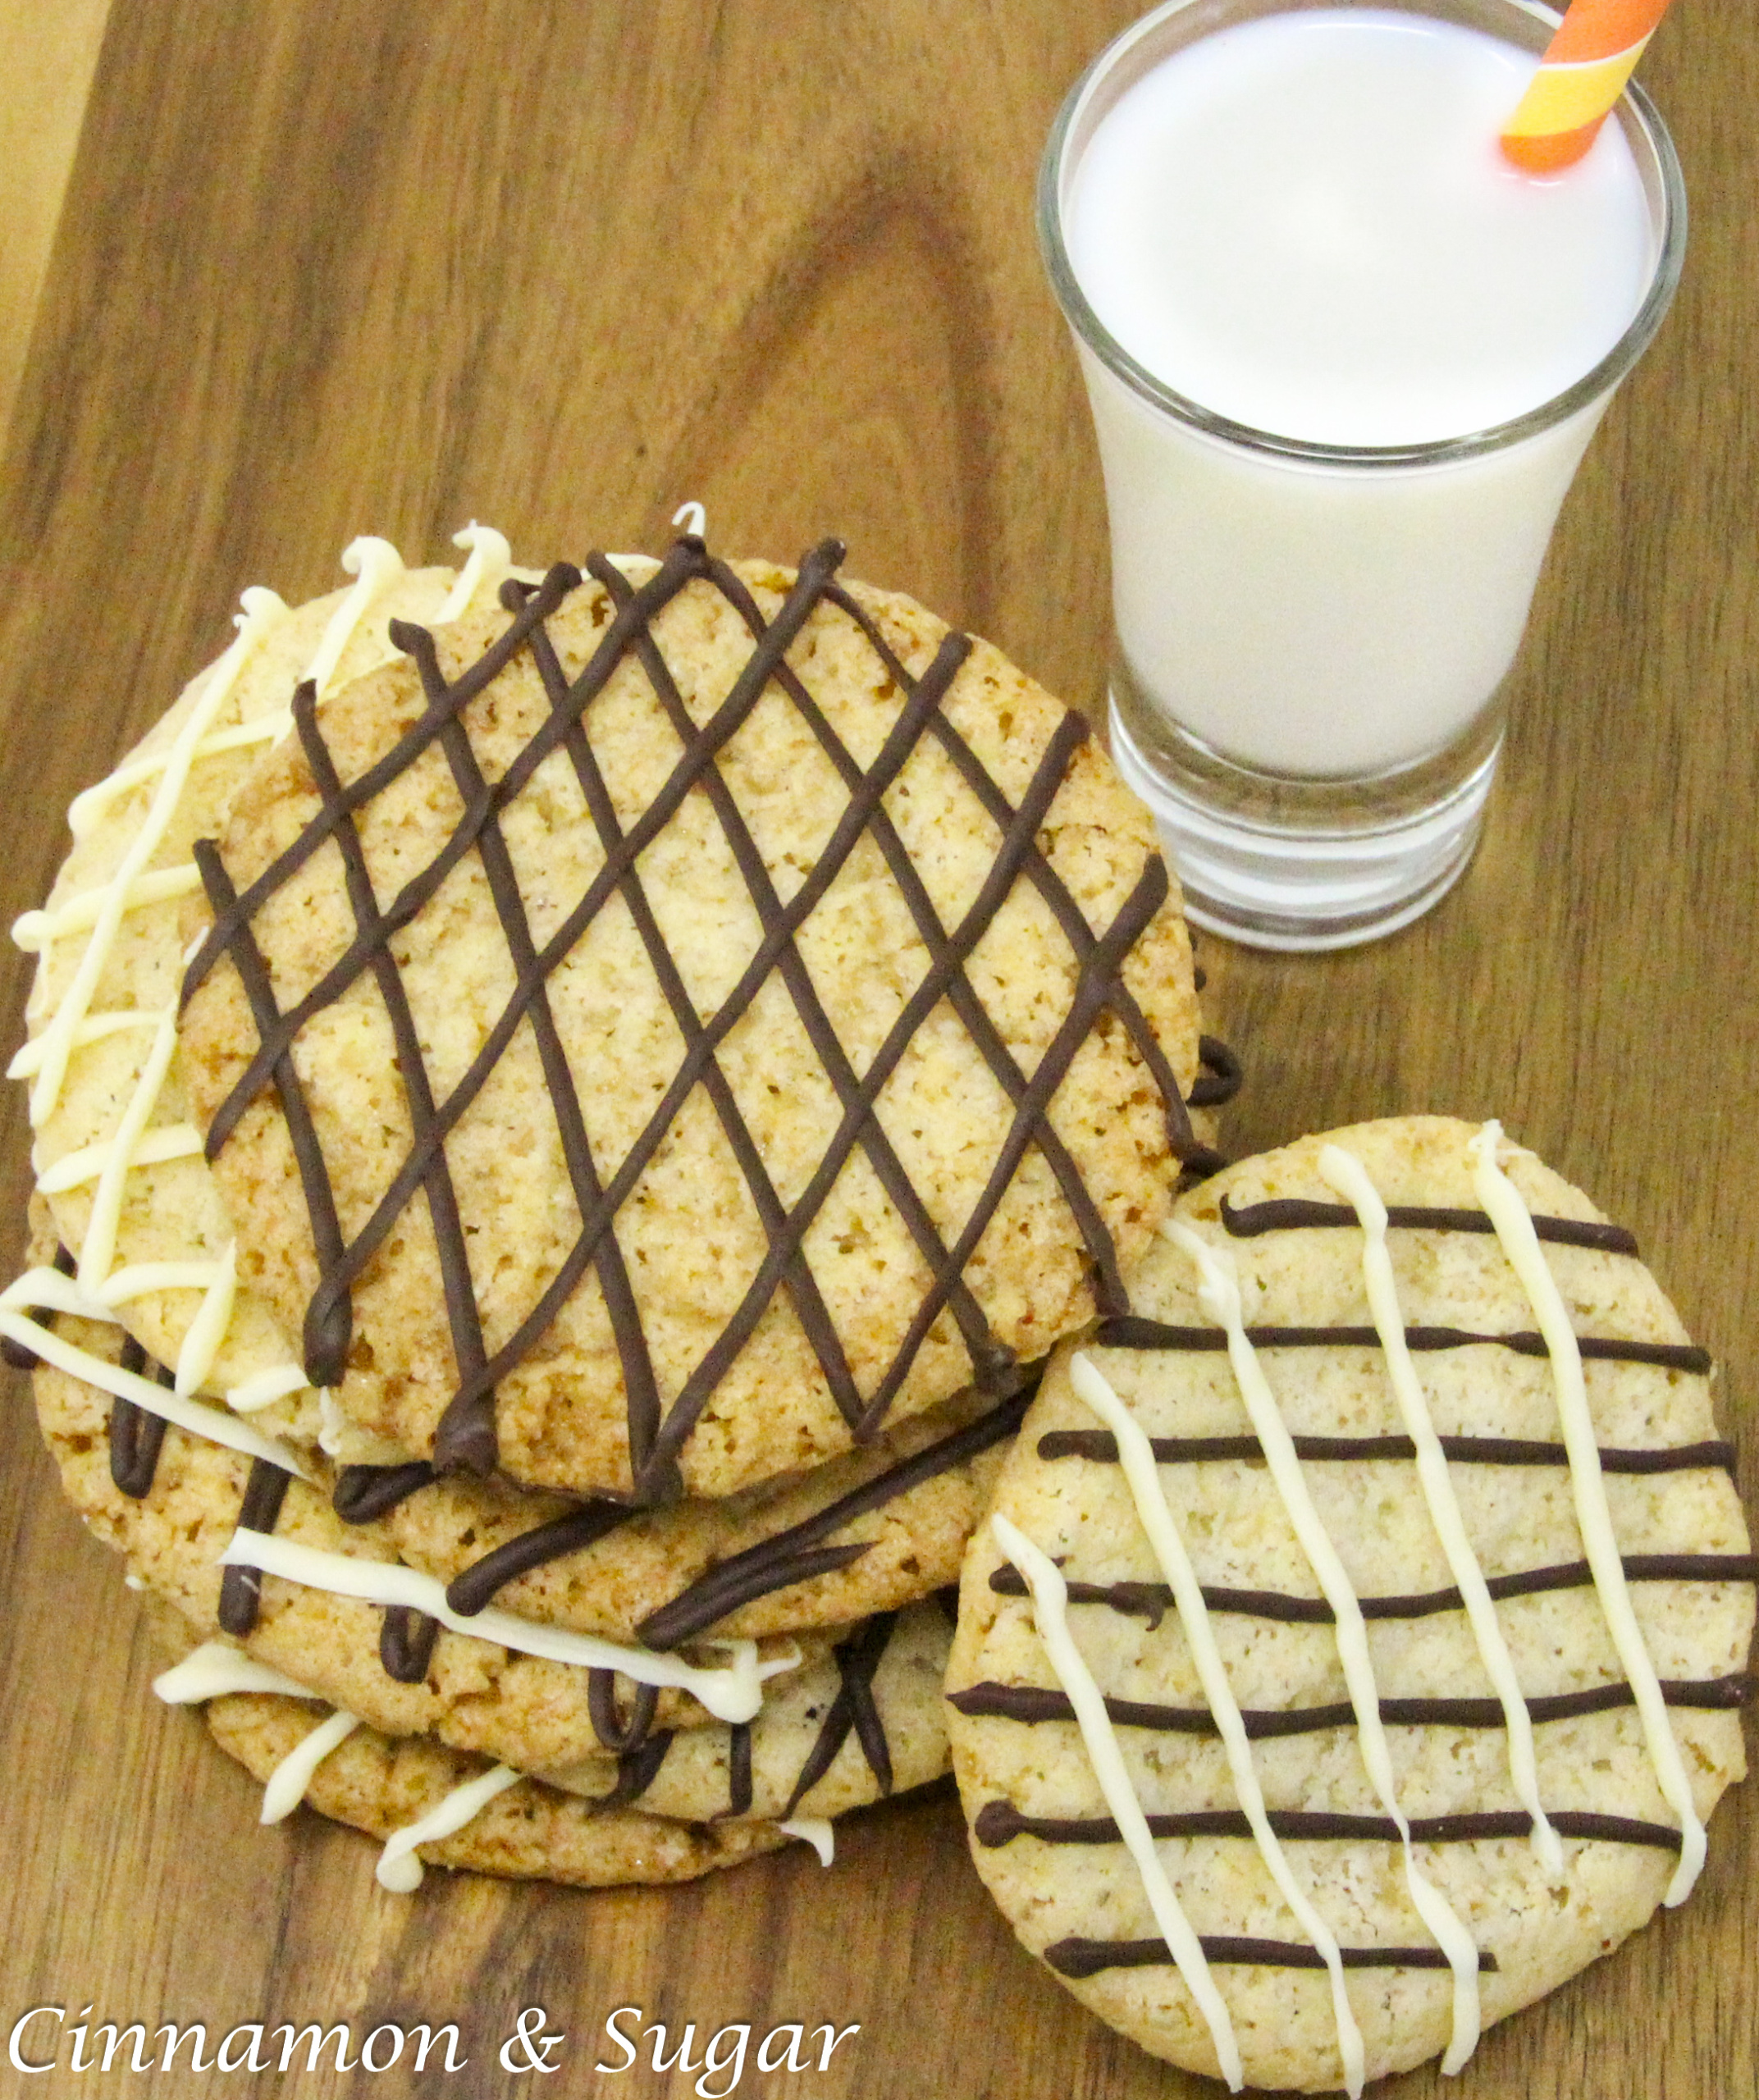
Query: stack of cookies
[(569, 1108)]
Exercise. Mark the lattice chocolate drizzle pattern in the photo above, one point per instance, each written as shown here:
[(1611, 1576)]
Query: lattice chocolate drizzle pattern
[(466, 1435)]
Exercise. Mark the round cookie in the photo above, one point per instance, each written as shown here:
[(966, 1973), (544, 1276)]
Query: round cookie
[(117, 1156), (869, 1532), (382, 1784), (865, 1724), (1287, 1663), (796, 1028)]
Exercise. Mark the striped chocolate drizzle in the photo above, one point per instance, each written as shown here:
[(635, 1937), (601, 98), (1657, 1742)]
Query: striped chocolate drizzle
[(407, 1637), (1130, 1331), (1000, 1823), (657, 1430), (1287, 1213), (1099, 1443), (1153, 1600), (1032, 1703), (1087, 1957)]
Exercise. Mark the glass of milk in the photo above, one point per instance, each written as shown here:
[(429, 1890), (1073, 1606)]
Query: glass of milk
[(1343, 360)]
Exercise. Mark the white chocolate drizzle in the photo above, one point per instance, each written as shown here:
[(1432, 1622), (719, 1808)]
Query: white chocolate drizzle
[(214, 1671), (33, 1289), (491, 560), (218, 1669), (1136, 1457), (1343, 1172), (264, 612), (1514, 1225), (265, 1388), (28, 1059), (814, 1830), (733, 1692), (207, 1330), (285, 1788), (398, 1869), (1050, 1599), (172, 1141), (100, 912), (378, 565), (1219, 1294), (97, 1251), (35, 931)]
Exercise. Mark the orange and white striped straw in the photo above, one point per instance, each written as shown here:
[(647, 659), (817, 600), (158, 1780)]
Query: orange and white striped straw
[(1580, 76)]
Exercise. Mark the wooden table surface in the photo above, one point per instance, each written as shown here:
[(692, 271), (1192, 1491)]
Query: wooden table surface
[(359, 267)]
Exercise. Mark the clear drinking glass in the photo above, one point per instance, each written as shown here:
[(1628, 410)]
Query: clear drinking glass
[(1374, 597)]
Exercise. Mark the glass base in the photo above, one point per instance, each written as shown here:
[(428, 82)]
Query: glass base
[(1311, 865)]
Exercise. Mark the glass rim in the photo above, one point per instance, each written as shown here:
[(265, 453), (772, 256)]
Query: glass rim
[(1632, 107)]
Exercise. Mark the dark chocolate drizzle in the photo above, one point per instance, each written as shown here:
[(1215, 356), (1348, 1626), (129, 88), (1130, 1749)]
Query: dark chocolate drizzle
[(739, 1769), (857, 1659), (241, 1588), (20, 1355), (137, 1436), (1101, 1446), (407, 1636), (658, 1431), (853, 1708), (406, 1643), (1087, 1957), (470, 1591), (797, 1555), (331, 1347), (1285, 1214), (614, 1730), (1131, 1331), (363, 1493), (637, 1768), (999, 1822), (1219, 1079), (1153, 1600), (1033, 1704)]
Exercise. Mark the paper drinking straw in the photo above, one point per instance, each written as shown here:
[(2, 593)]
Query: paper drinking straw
[(1580, 76)]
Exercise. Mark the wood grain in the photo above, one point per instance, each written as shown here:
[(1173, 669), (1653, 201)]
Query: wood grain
[(47, 55), (561, 268)]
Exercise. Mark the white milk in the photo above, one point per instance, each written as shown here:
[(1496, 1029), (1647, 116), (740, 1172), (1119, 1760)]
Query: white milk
[(1304, 225)]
